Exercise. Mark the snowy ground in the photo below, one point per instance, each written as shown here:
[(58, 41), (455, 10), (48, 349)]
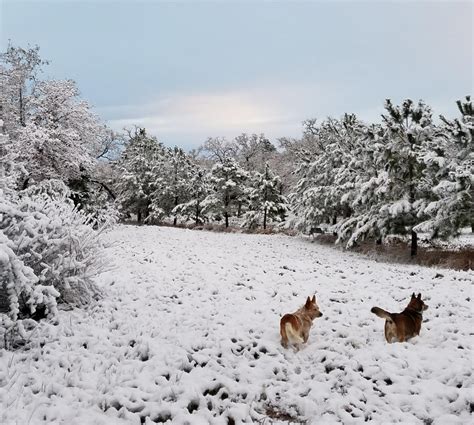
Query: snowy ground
[(188, 331)]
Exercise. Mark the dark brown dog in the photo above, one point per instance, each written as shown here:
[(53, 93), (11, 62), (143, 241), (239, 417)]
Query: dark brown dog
[(294, 327), (400, 327)]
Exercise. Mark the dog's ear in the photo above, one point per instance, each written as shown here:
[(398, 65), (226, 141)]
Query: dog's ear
[(313, 299), (419, 295), (308, 302), (413, 295)]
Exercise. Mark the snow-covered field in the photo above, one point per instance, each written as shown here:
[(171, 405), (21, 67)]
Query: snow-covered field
[(188, 331)]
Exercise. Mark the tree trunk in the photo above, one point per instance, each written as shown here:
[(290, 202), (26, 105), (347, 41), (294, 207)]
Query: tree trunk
[(4, 300), (147, 210), (25, 183), (334, 219), (226, 206), (379, 241), (139, 216), (239, 211), (175, 221), (347, 211), (414, 244), (22, 108), (197, 213), (265, 218), (104, 186)]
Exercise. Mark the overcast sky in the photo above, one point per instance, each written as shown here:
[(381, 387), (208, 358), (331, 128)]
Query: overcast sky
[(187, 69)]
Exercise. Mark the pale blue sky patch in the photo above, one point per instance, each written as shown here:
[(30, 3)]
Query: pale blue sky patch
[(188, 70)]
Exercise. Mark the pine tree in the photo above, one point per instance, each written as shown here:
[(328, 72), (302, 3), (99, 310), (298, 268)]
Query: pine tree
[(136, 169), (408, 130), (198, 190), (450, 173), (266, 202), (228, 181), (327, 173), (172, 182)]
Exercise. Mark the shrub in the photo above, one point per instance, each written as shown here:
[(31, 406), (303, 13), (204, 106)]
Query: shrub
[(50, 250)]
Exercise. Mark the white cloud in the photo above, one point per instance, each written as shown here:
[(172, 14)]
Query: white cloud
[(264, 109)]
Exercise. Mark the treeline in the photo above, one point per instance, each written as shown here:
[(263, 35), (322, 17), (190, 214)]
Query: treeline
[(220, 181), (403, 176)]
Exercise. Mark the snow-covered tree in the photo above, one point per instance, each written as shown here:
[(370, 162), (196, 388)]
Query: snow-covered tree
[(266, 203), (253, 151), (228, 181), (136, 170), (218, 149), (198, 190), (58, 141), (391, 193), (19, 68), (172, 183), (450, 173), (327, 172), (408, 129)]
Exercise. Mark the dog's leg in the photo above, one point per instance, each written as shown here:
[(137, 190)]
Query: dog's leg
[(390, 331), (283, 334)]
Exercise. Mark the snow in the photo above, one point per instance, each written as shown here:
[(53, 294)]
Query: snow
[(189, 331)]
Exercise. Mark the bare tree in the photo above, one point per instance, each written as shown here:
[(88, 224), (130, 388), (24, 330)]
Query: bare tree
[(18, 70)]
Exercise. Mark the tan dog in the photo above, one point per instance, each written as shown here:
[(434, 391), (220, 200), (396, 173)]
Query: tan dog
[(294, 327), (400, 327)]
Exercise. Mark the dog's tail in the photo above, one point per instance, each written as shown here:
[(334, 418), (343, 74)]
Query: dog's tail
[(382, 313), (292, 335)]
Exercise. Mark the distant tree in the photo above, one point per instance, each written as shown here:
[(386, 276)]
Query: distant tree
[(199, 188), (219, 149), (266, 203), (136, 173), (253, 151), (228, 181), (172, 183), (18, 71)]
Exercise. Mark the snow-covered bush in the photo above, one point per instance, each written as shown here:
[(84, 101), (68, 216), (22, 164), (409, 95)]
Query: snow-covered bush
[(20, 291), (56, 241), (19, 282)]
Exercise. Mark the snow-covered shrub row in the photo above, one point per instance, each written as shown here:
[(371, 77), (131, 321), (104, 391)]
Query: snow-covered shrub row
[(403, 176)]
